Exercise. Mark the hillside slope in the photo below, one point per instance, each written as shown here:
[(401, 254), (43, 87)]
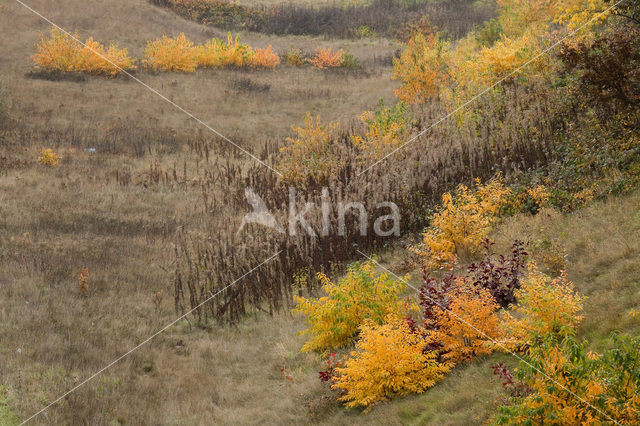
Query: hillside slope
[(209, 95)]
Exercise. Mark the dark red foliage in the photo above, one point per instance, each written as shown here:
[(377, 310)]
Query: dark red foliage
[(499, 274), (434, 294), (328, 374), (505, 374), (515, 387)]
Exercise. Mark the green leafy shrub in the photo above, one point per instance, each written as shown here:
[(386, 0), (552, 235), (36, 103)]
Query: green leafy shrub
[(362, 294)]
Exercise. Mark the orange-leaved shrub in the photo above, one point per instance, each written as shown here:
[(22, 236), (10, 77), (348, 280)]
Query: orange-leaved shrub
[(546, 306), (389, 361), (265, 58), (463, 221), (310, 154), (327, 58), (171, 54), (421, 68), (362, 294), (469, 325), (61, 52), (83, 281)]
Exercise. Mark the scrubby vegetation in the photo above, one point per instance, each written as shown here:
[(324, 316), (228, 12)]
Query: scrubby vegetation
[(61, 52), (511, 152)]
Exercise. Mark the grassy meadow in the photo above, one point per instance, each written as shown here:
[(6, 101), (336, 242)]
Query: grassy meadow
[(132, 220)]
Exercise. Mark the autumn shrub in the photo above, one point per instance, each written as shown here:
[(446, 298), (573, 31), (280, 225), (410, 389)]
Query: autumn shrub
[(363, 31), (83, 281), (389, 361), (578, 13), (387, 129), (61, 52), (570, 385), (264, 58), (310, 155), (327, 58), (434, 296), (545, 307), (489, 33), (217, 54), (362, 294), (331, 364), (350, 62), (294, 57), (421, 68), (171, 54), (49, 158), (469, 325), (531, 199), (513, 386), (498, 63), (462, 222)]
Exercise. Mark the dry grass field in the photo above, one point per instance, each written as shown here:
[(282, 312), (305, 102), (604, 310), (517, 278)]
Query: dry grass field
[(210, 96), (130, 178)]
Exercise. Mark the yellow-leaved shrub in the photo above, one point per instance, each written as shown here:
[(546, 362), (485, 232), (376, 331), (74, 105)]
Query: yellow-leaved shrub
[(498, 62), (171, 54), (546, 306), (49, 158), (61, 52), (569, 385), (389, 361), (310, 154), (387, 129), (421, 68), (217, 54), (579, 13), (362, 294), (463, 221)]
